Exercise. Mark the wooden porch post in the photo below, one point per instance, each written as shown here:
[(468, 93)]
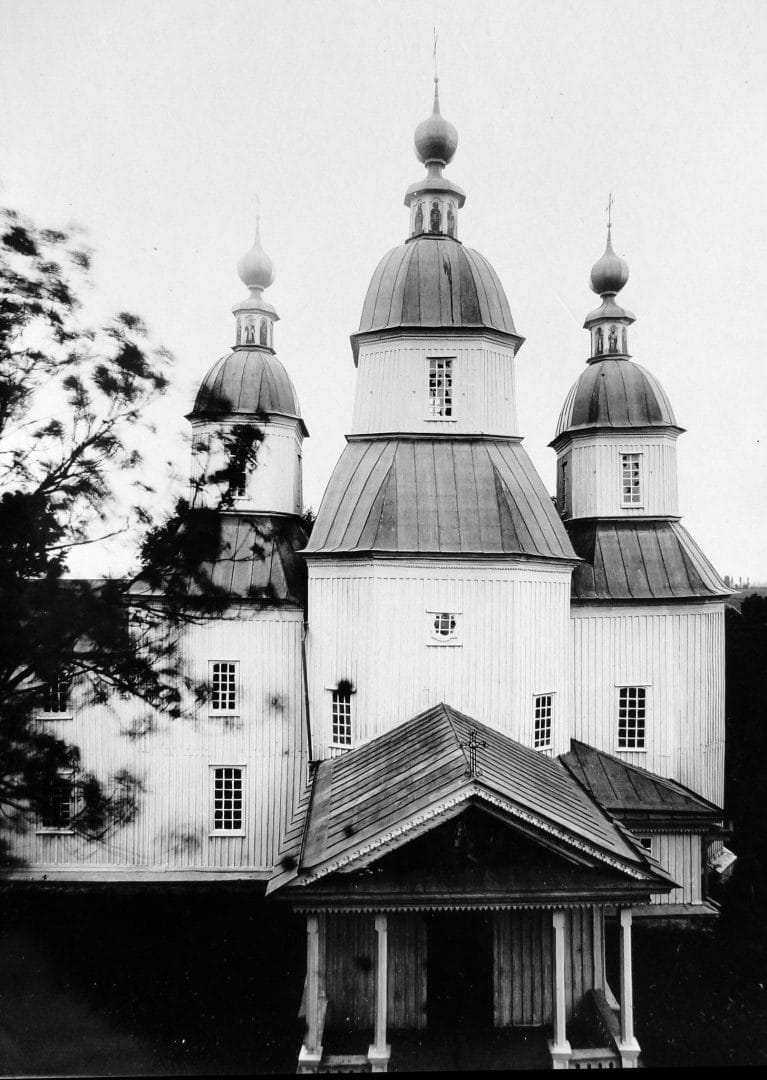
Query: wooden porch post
[(559, 1048), (628, 1046), (380, 1052), (311, 1052)]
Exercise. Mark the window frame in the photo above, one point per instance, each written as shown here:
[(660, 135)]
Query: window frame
[(228, 711), (444, 393), (549, 744), (68, 777), (57, 714), (212, 769), (636, 731), (434, 637), (335, 699), (627, 503)]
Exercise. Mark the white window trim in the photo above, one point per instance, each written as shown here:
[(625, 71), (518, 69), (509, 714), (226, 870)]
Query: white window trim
[(552, 694), (632, 505), (341, 745), (429, 416), (223, 833), (235, 712), (438, 640), (52, 830), (68, 715), (647, 687)]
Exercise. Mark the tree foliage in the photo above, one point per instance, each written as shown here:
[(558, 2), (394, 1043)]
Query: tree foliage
[(73, 427)]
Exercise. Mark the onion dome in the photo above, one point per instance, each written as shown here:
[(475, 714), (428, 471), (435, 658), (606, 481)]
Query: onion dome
[(615, 393), (436, 140), (255, 268), (246, 382), (610, 272), (255, 316)]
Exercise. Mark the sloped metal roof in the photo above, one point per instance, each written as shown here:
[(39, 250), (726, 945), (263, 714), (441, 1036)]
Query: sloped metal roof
[(403, 783), (639, 560), (634, 793), (258, 559), (437, 496), (435, 282), (615, 394), (249, 381)]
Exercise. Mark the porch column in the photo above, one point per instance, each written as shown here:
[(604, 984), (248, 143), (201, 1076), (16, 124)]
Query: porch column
[(311, 1052), (628, 1046), (559, 1048), (380, 1052)]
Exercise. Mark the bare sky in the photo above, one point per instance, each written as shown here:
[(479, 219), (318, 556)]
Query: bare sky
[(154, 124)]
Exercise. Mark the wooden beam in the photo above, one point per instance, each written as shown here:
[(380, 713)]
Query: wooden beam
[(559, 1047), (628, 1046), (380, 1052)]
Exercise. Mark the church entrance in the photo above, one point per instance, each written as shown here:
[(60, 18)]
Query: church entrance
[(459, 980)]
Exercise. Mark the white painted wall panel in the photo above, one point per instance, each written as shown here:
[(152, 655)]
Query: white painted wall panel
[(267, 736), (677, 652), (393, 382), (370, 624), (590, 485)]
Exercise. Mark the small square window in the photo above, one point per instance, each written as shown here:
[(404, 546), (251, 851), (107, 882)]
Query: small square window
[(228, 799), (645, 842), (341, 716), (632, 713), (223, 686), (57, 810), (544, 711), (631, 479), (440, 404)]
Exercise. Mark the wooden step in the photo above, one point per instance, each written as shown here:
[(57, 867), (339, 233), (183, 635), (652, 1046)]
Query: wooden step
[(344, 1063)]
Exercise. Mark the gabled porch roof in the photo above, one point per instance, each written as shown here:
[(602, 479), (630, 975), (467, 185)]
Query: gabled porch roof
[(407, 782)]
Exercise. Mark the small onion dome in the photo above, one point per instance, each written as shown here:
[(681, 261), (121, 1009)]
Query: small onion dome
[(430, 282), (610, 272), (615, 394), (255, 268), (246, 381), (435, 139)]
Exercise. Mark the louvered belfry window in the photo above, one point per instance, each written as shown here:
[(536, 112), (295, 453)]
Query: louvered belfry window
[(631, 480), (440, 387), (632, 713)]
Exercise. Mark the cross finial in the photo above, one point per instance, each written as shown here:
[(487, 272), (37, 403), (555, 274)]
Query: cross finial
[(609, 214), (436, 38), (473, 744)]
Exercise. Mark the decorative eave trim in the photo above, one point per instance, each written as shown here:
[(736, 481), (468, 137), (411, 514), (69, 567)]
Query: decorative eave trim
[(443, 556), (355, 907), (386, 332), (586, 432), (378, 845)]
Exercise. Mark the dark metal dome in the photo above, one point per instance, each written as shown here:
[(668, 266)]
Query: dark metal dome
[(430, 282), (250, 381), (615, 394)]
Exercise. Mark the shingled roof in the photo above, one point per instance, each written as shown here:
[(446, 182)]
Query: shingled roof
[(635, 795), (411, 779)]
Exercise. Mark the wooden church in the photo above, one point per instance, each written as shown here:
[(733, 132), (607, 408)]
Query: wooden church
[(472, 735)]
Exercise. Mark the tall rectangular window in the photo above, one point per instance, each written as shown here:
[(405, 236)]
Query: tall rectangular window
[(342, 718), (543, 716), (238, 475), (56, 694), (223, 686), (632, 714), (228, 816), (440, 387), (57, 810), (631, 481)]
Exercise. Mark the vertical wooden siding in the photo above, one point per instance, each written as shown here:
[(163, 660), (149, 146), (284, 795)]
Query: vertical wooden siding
[(594, 475), (523, 970), (392, 387), (678, 653), (173, 759), (370, 624), (680, 854)]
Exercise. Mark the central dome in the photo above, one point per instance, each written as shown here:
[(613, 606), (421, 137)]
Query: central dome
[(615, 394), (430, 282), (246, 381)]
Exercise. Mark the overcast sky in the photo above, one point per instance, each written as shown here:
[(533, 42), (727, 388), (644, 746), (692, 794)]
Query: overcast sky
[(155, 124)]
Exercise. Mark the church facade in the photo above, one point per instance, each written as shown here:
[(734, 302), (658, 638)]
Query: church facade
[(456, 719)]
